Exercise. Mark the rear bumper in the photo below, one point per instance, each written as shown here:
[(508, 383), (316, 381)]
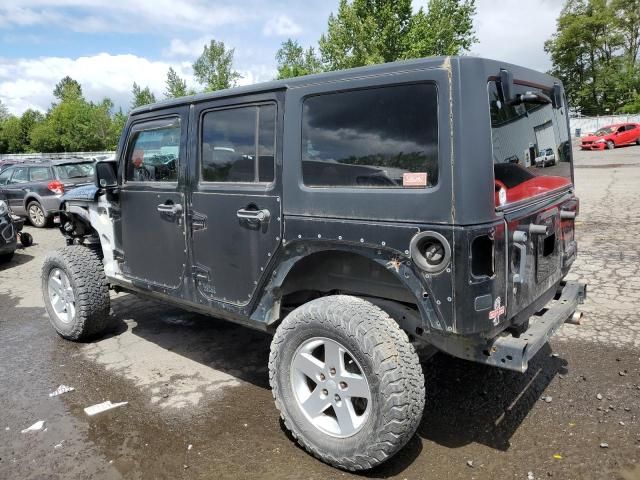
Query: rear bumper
[(8, 235), (514, 353), (51, 203), (594, 146)]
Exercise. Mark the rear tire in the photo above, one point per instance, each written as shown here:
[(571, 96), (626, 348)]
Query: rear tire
[(36, 215), (610, 145), (375, 359), (76, 293)]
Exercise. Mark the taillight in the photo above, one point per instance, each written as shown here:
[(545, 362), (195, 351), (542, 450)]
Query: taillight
[(56, 187)]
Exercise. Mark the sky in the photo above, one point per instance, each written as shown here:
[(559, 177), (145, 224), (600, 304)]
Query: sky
[(108, 44)]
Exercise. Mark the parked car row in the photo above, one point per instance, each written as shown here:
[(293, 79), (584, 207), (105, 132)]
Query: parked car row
[(33, 188), (613, 136)]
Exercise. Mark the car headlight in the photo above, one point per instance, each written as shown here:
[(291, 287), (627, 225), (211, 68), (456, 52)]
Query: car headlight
[(602, 140), (4, 208)]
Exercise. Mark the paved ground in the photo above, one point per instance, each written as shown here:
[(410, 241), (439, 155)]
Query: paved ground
[(193, 381)]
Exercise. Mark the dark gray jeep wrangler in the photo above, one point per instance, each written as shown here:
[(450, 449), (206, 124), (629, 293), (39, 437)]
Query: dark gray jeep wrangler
[(357, 215)]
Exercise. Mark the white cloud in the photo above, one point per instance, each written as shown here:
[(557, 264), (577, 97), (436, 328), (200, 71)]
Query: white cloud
[(281, 26), (29, 83), (124, 16), (186, 48)]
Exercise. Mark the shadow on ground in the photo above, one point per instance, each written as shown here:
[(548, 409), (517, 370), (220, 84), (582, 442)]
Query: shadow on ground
[(465, 402)]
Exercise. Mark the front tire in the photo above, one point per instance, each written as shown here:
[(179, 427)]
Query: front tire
[(610, 145), (347, 382), (36, 214), (76, 293)]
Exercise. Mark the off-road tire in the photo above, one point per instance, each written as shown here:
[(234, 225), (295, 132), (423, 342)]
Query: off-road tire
[(6, 257), (91, 292), (37, 223), (389, 362), (610, 145)]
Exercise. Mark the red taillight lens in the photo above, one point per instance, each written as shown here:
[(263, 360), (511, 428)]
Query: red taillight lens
[(56, 187)]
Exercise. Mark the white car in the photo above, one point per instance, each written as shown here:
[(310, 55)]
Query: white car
[(546, 157)]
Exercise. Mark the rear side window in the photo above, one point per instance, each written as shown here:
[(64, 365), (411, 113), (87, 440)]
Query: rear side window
[(380, 137), (40, 174), (238, 144), (153, 152)]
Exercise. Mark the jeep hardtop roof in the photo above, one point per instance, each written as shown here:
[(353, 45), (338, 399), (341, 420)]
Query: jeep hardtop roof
[(359, 72)]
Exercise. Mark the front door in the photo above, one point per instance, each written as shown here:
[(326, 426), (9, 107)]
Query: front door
[(152, 200), (236, 205)]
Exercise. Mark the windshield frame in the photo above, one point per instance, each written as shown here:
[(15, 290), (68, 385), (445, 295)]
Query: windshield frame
[(553, 193)]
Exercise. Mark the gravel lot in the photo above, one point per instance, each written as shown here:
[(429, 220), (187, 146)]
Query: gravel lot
[(200, 406)]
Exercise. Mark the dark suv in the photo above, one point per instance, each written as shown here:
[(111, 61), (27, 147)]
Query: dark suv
[(33, 189), (357, 215)]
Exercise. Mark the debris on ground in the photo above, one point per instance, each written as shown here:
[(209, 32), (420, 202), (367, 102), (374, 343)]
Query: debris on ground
[(59, 445), (189, 447), (599, 396), (36, 427), (102, 407), (470, 463), (547, 399), (60, 390), (530, 476), (557, 456), (604, 445)]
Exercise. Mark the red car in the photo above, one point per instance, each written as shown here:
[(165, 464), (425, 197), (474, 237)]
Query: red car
[(612, 136)]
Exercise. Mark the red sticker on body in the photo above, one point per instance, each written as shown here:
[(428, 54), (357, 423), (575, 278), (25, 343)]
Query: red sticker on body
[(414, 179)]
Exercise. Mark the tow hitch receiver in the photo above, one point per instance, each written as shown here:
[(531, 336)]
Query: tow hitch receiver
[(514, 353)]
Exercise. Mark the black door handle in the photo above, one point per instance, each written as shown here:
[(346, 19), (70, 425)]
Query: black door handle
[(261, 216), (170, 209)]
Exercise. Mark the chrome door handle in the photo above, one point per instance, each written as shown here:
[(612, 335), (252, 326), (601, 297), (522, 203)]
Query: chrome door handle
[(261, 216), (170, 209)]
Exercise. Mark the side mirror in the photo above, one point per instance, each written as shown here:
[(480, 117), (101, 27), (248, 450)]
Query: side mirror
[(506, 85), (556, 96), (106, 175)]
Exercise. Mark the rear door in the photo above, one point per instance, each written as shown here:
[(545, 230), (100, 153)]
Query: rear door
[(235, 200), (152, 200), (16, 189)]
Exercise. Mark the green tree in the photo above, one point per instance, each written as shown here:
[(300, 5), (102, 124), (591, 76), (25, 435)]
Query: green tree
[(141, 96), (11, 135), (4, 111), (595, 53), (29, 119), (366, 32), (295, 61), (117, 125), (67, 88), (176, 86), (214, 67), (445, 29)]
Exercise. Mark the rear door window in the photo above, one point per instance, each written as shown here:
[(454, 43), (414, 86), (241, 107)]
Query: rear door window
[(20, 175), (238, 144), (5, 176), (384, 137)]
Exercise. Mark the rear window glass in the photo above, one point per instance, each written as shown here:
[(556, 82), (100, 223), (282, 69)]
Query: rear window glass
[(531, 147), (74, 170), (380, 137)]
